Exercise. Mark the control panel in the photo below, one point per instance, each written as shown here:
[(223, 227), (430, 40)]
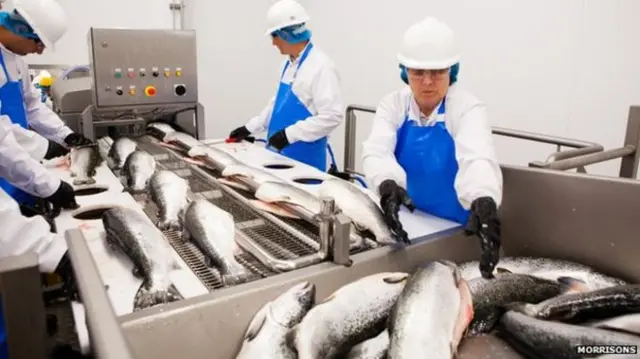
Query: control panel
[(133, 67)]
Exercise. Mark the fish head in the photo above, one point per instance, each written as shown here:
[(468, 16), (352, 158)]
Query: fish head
[(290, 307)]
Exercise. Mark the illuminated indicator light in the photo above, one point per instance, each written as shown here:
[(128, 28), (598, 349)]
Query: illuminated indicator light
[(132, 90), (178, 72), (150, 91)]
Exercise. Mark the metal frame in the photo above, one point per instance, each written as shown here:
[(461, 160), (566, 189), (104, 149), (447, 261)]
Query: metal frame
[(23, 307), (582, 153), (105, 333)]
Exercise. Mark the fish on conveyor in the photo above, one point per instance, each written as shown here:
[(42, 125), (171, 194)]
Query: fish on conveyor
[(275, 192), (354, 313), (221, 158), (266, 335), (136, 236), (549, 339), (374, 348), (359, 207), (256, 175), (213, 231), (161, 129), (547, 268), (138, 169), (629, 323), (120, 151), (490, 296), (432, 313), (83, 163), (576, 307), (169, 193), (182, 139)]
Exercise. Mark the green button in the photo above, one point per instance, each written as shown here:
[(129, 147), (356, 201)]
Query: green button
[(118, 75)]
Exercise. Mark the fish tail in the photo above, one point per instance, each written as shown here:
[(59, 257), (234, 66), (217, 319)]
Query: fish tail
[(236, 276), (147, 298), (167, 224)]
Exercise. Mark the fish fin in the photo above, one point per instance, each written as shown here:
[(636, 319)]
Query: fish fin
[(186, 236), (147, 298), (396, 278), (573, 284), (291, 338), (257, 322), (208, 261), (502, 270)]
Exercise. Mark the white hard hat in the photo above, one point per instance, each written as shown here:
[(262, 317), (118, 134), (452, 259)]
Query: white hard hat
[(285, 13), (46, 17), (429, 45)]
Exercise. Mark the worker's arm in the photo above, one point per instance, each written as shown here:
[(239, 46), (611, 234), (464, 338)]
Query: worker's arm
[(40, 117), (21, 235), (260, 123), (17, 167), (378, 151), (479, 173), (326, 95)]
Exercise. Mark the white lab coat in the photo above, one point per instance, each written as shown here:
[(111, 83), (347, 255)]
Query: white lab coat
[(317, 86), (479, 173), (20, 235), (19, 168), (39, 116)]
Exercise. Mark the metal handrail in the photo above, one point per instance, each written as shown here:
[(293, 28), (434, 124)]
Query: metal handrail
[(579, 148), (107, 338)]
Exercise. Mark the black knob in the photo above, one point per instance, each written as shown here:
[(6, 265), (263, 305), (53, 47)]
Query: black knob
[(156, 74), (119, 92), (180, 90)]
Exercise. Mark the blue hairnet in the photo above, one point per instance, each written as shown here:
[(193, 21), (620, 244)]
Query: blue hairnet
[(453, 74), (16, 24), (294, 34)]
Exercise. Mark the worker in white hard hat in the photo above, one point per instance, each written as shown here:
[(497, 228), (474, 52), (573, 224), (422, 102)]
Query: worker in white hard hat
[(309, 103), (431, 146), (40, 23)]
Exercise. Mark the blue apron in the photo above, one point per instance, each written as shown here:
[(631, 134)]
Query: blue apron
[(12, 105), (287, 110), (428, 156)]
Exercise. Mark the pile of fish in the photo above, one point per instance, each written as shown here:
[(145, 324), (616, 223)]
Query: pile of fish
[(536, 307), (209, 228)]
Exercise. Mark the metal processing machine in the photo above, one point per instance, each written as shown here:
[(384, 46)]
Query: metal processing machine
[(128, 86)]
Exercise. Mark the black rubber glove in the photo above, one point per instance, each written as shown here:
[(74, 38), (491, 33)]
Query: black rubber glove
[(391, 197), (333, 170), (55, 150), (76, 139), (64, 197), (65, 271), (279, 140), (485, 224), (239, 133)]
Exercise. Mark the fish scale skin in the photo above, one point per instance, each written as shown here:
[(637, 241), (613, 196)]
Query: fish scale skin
[(355, 312), (169, 193), (424, 318), (138, 169)]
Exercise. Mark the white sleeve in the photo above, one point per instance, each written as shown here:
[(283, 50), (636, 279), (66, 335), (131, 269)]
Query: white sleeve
[(479, 173), (39, 116), (30, 141), (328, 102), (378, 151), (260, 123), (17, 167), (20, 235)]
